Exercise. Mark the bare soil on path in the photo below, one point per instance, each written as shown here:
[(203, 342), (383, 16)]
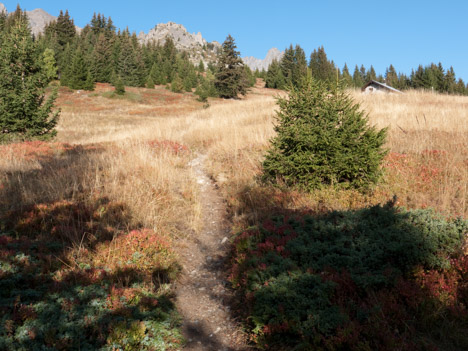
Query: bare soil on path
[(203, 294)]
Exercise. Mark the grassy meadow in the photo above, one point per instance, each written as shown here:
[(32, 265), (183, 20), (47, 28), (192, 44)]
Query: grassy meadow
[(90, 223)]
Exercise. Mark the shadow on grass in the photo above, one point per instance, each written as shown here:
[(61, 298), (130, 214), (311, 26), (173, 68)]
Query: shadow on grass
[(54, 294), (376, 278)]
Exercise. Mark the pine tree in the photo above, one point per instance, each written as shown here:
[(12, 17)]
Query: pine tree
[(322, 137), (287, 65), (320, 67), (80, 76), (150, 82), (357, 78), (391, 76), (102, 59), (24, 111), (300, 66), (177, 85), (346, 77), (371, 75), (230, 78), (64, 28), (274, 77)]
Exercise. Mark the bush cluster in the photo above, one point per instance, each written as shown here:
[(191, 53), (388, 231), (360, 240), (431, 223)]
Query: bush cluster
[(357, 280)]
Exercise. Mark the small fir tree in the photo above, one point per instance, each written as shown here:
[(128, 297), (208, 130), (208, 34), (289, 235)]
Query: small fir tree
[(323, 138), (119, 86), (150, 82), (177, 85), (230, 77), (24, 111)]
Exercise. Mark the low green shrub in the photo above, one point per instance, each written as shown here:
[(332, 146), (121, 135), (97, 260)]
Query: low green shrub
[(356, 280)]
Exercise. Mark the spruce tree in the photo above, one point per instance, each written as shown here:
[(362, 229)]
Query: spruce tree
[(323, 138), (357, 78), (321, 68), (64, 28), (274, 77), (177, 84), (371, 75), (346, 77), (102, 59), (80, 76), (391, 77), (150, 82), (230, 78), (25, 113)]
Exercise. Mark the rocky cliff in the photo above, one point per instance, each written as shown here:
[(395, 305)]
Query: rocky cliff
[(255, 63), (38, 19), (194, 44)]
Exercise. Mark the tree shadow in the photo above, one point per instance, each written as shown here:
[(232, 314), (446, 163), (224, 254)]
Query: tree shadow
[(376, 278), (54, 293)]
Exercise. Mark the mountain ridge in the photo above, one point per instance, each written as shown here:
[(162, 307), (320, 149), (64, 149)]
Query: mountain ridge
[(194, 43)]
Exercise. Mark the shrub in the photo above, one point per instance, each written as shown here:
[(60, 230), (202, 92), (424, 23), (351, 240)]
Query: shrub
[(345, 280), (323, 138)]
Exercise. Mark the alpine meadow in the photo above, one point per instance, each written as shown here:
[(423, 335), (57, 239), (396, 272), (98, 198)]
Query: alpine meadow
[(160, 192)]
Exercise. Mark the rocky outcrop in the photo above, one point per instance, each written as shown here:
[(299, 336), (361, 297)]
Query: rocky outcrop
[(38, 19), (194, 44), (255, 63)]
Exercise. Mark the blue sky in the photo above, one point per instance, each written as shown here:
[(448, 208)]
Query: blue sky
[(402, 33)]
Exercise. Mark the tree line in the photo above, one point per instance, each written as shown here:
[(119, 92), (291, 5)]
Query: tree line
[(101, 53), (294, 65), (97, 53)]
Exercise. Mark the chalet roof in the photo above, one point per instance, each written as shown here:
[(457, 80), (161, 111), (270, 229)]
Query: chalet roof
[(381, 85)]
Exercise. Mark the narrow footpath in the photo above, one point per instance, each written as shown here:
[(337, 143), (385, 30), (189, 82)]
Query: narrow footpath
[(203, 298)]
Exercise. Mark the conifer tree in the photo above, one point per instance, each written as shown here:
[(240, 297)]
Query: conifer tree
[(80, 76), (274, 77), (201, 66), (357, 78), (346, 77), (323, 138), (25, 113), (177, 85), (450, 81), (102, 59), (287, 65), (150, 82), (230, 78), (370, 74), (321, 68), (391, 77), (119, 86), (64, 27), (50, 66)]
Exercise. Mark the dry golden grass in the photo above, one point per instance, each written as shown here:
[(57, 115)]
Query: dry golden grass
[(433, 172), (157, 185)]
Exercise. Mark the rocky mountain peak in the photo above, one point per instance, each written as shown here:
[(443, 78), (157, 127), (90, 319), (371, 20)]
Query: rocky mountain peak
[(255, 63), (195, 44), (2, 8), (38, 19)]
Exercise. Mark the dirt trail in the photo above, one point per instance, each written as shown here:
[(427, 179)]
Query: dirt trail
[(202, 294)]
